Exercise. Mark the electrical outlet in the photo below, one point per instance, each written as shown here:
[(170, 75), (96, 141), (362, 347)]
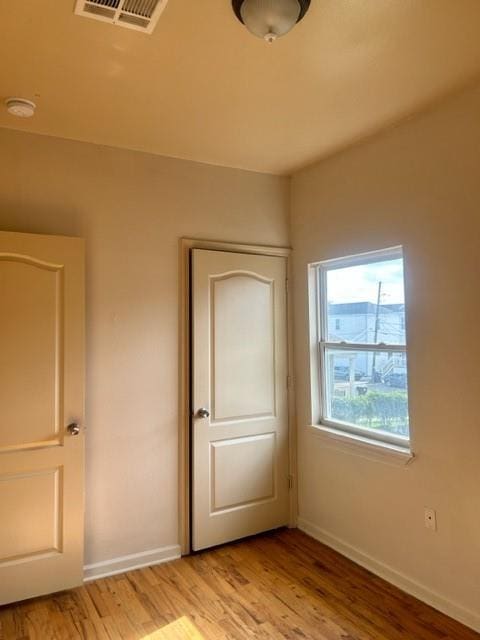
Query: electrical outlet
[(430, 519)]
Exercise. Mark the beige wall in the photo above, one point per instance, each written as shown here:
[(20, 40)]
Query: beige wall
[(132, 208), (417, 185)]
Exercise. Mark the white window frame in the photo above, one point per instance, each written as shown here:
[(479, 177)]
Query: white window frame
[(320, 344)]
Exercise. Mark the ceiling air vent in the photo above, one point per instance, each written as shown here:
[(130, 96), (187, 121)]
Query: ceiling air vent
[(141, 15)]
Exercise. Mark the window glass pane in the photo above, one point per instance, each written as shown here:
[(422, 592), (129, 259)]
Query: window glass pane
[(367, 389), (366, 303)]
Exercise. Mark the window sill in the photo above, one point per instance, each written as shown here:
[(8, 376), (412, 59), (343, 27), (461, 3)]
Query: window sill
[(362, 446)]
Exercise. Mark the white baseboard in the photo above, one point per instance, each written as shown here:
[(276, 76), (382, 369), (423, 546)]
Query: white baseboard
[(130, 562), (457, 612)]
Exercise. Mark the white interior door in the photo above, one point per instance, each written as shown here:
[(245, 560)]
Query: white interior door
[(41, 393), (240, 449)]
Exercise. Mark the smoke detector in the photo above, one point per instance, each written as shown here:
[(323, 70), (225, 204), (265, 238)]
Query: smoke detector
[(20, 107), (141, 15)]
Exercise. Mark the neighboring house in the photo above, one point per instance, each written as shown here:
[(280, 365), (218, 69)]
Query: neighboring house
[(360, 321)]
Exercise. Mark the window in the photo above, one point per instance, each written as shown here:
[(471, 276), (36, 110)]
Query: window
[(362, 351)]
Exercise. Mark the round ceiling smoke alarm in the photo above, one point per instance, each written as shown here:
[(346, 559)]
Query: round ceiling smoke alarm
[(20, 107)]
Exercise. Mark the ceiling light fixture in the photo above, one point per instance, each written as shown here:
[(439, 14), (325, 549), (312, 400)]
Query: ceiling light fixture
[(20, 107), (270, 19)]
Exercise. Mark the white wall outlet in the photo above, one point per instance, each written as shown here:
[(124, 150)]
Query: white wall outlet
[(430, 519)]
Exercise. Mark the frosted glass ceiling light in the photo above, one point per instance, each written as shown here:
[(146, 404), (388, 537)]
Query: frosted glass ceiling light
[(270, 19)]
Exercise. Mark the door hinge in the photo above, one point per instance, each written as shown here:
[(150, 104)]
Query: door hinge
[(286, 285), (290, 482)]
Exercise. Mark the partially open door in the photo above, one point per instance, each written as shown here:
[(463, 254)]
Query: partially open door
[(240, 462), (41, 414)]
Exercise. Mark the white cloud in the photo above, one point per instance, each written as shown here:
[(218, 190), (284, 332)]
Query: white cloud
[(360, 283)]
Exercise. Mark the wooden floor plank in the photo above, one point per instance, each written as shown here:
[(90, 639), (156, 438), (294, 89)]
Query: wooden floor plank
[(280, 585)]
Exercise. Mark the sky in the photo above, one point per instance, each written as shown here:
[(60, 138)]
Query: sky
[(360, 283)]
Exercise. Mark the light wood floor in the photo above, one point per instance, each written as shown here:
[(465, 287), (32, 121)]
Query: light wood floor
[(278, 585)]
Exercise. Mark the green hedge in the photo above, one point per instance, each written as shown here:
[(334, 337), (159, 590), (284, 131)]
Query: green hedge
[(387, 411)]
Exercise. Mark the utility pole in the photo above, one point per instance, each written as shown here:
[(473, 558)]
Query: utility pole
[(375, 334)]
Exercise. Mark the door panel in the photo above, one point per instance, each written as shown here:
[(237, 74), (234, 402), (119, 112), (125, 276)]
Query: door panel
[(243, 362), (235, 485), (26, 498), (240, 451), (30, 358), (41, 392)]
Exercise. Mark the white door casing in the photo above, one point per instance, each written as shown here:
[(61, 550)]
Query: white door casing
[(240, 461), (41, 393)]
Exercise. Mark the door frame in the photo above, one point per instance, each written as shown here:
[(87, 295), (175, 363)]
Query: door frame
[(185, 410)]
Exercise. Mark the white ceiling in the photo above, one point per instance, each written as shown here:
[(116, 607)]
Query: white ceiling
[(202, 88)]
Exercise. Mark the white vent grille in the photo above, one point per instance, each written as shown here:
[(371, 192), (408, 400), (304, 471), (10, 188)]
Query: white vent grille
[(142, 15)]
